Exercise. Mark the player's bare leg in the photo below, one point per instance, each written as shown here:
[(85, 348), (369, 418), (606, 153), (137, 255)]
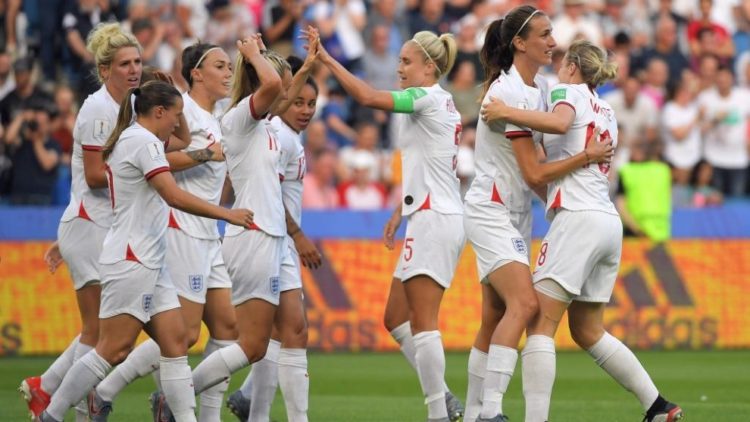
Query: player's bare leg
[(424, 296), (493, 309), (587, 329)]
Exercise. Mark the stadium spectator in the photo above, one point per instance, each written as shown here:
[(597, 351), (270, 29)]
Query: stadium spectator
[(655, 81), (573, 23), (315, 140), (192, 18), (618, 18), (466, 91), (319, 185), (341, 23), (279, 22), (644, 194), (665, 47), (468, 46), (362, 192), (726, 111), (708, 44), (379, 61), (229, 21), (637, 114), (152, 34), (64, 121), (429, 15), (367, 139), (79, 20), (708, 68), (681, 132), (724, 43), (336, 115), (7, 83), (391, 14), (25, 90), (703, 194), (34, 155), (665, 9)]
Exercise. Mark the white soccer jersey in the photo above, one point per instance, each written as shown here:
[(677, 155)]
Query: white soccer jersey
[(428, 138), (140, 214), (498, 178), (205, 180), (726, 144), (253, 156), (586, 188), (682, 153), (293, 167), (95, 122)]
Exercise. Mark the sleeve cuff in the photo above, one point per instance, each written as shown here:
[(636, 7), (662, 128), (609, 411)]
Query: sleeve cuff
[(92, 148), (517, 134), (156, 171)]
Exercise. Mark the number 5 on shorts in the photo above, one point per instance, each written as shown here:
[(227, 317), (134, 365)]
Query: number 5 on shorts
[(408, 251)]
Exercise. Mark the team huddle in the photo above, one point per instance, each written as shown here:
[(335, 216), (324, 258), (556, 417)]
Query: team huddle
[(144, 252)]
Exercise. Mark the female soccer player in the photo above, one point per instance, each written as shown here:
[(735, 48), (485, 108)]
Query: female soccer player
[(193, 258), (430, 130), (254, 256), (285, 362), (89, 214), (137, 292), (498, 203), (580, 255)]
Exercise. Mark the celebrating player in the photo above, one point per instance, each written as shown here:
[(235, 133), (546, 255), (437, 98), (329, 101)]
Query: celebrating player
[(430, 128), (89, 214), (285, 363), (577, 272), (498, 204), (137, 292), (193, 258)]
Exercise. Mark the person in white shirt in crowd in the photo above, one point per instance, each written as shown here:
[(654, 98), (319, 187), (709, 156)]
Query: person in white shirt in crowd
[(429, 134), (725, 112), (367, 139), (680, 127), (137, 292), (573, 22), (579, 258), (361, 192), (341, 24)]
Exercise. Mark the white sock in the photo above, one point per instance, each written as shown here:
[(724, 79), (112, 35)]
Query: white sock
[(501, 362), (477, 372), (82, 408), (53, 376), (295, 383), (430, 360), (79, 380), (143, 360), (622, 365), (402, 335), (177, 384), (212, 398), (218, 367), (265, 379), (538, 372)]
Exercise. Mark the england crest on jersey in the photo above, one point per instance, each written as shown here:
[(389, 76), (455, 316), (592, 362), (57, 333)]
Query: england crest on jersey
[(275, 285), (196, 282), (146, 302), (519, 245)]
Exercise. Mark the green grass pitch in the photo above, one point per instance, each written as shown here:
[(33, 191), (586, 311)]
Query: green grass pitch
[(709, 385)]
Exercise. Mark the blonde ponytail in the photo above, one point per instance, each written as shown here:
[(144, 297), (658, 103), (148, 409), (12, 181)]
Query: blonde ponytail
[(592, 61), (441, 51)]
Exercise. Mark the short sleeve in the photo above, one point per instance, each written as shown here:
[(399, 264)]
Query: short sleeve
[(563, 95), (512, 98), (151, 159), (242, 117), (411, 100), (95, 128)]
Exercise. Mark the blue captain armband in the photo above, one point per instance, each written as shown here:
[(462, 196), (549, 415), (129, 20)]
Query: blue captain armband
[(403, 101)]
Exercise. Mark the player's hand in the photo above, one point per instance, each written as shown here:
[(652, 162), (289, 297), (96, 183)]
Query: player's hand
[(259, 41), (240, 217), (53, 258), (308, 253), (313, 52), (217, 152), (390, 229), (599, 150), (161, 76), (248, 47), (494, 109), (313, 39)]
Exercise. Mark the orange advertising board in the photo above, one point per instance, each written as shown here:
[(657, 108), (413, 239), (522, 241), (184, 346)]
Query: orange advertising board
[(685, 294)]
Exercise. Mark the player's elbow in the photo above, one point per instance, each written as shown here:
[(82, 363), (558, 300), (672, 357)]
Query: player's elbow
[(535, 180), (95, 181)]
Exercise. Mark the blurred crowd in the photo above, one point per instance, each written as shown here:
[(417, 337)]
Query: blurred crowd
[(681, 95)]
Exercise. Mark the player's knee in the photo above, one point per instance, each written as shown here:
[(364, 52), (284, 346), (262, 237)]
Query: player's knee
[(526, 308), (255, 349), (585, 336), (192, 336), (390, 321), (115, 355)]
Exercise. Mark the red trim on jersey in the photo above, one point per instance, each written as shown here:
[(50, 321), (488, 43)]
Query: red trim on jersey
[(130, 256), (496, 195), (281, 177), (82, 212), (156, 171), (566, 104), (517, 134), (91, 148), (426, 204), (557, 203), (173, 221), (253, 113), (111, 184), (253, 226)]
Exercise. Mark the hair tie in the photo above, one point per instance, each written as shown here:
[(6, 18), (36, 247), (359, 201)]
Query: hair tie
[(137, 91)]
